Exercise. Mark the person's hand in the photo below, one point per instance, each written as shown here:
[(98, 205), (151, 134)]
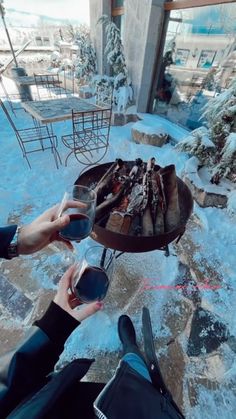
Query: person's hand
[(44, 230), (67, 301)]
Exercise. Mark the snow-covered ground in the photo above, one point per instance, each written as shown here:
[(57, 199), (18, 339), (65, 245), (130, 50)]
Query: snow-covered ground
[(26, 193)]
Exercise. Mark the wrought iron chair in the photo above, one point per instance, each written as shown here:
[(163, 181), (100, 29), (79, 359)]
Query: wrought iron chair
[(90, 138), (34, 139), (48, 86)]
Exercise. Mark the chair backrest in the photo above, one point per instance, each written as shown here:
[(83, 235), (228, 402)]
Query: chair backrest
[(104, 95), (91, 121), (8, 116), (50, 82)]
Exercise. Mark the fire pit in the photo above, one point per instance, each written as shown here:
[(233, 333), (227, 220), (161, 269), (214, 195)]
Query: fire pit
[(137, 243)]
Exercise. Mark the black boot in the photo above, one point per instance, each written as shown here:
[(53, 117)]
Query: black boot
[(127, 336)]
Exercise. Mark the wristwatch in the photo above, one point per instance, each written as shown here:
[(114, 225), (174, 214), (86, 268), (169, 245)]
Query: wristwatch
[(12, 250)]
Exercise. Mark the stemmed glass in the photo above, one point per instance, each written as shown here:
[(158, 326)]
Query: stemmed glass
[(93, 275), (82, 215)]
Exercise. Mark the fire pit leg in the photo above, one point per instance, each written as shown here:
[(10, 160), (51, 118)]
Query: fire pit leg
[(167, 251)]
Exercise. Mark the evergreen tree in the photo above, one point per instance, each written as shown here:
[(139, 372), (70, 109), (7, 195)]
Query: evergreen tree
[(115, 52), (86, 61)]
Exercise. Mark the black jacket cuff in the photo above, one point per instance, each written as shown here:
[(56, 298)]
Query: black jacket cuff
[(6, 236), (57, 324)]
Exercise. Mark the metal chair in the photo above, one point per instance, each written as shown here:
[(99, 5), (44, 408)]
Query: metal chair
[(48, 86), (34, 139), (90, 137)]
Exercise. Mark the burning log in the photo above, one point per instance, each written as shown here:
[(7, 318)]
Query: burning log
[(170, 196)]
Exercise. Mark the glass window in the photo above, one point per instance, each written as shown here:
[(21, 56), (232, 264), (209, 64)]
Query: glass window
[(117, 3), (38, 41), (206, 58), (198, 61)]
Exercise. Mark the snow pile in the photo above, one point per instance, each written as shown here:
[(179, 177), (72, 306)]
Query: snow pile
[(146, 128), (198, 144), (231, 207)]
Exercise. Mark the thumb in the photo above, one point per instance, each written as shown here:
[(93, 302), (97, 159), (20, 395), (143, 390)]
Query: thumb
[(59, 223)]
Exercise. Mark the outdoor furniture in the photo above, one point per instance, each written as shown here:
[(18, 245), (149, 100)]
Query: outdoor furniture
[(56, 110), (90, 137), (48, 86), (34, 139)]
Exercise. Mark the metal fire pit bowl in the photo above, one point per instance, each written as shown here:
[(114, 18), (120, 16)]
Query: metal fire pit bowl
[(135, 244)]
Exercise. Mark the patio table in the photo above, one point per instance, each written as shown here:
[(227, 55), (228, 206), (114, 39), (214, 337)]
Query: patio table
[(55, 110)]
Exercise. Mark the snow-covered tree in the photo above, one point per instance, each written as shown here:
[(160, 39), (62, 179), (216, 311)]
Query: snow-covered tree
[(123, 92), (198, 144), (55, 59), (86, 60), (220, 113), (115, 52)]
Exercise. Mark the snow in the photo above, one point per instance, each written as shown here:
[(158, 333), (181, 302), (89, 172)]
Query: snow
[(25, 193), (146, 128), (230, 146), (200, 176), (231, 206)]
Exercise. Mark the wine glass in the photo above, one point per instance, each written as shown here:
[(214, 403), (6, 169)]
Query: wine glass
[(93, 275), (82, 217)]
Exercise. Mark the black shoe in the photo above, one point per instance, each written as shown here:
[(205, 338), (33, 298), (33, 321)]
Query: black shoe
[(127, 336)]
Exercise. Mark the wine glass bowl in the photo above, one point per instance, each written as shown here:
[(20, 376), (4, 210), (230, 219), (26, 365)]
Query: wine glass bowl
[(82, 216), (93, 275)]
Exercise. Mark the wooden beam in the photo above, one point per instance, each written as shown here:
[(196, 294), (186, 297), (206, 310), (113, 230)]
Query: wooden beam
[(187, 4), (118, 11)]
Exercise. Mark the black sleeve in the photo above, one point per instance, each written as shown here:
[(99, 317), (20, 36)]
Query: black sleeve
[(35, 359), (57, 324), (6, 236)]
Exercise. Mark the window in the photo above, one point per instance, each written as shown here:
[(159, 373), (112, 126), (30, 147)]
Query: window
[(206, 58), (181, 57), (198, 60), (38, 41), (46, 41)]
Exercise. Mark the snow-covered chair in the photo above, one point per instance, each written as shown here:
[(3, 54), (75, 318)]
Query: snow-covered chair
[(90, 138), (34, 139)]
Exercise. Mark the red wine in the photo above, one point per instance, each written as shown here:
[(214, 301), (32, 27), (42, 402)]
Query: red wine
[(92, 285), (79, 227)]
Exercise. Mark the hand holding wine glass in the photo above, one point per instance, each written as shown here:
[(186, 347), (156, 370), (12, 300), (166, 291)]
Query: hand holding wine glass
[(81, 216), (91, 279)]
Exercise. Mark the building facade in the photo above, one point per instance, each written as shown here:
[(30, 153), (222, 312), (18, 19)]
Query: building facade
[(174, 50)]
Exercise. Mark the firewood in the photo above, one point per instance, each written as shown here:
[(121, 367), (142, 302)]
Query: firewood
[(147, 224), (104, 185), (170, 187)]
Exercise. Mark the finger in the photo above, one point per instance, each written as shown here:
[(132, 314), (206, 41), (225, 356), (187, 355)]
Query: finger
[(74, 204), (68, 244), (89, 310), (66, 279), (58, 224)]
